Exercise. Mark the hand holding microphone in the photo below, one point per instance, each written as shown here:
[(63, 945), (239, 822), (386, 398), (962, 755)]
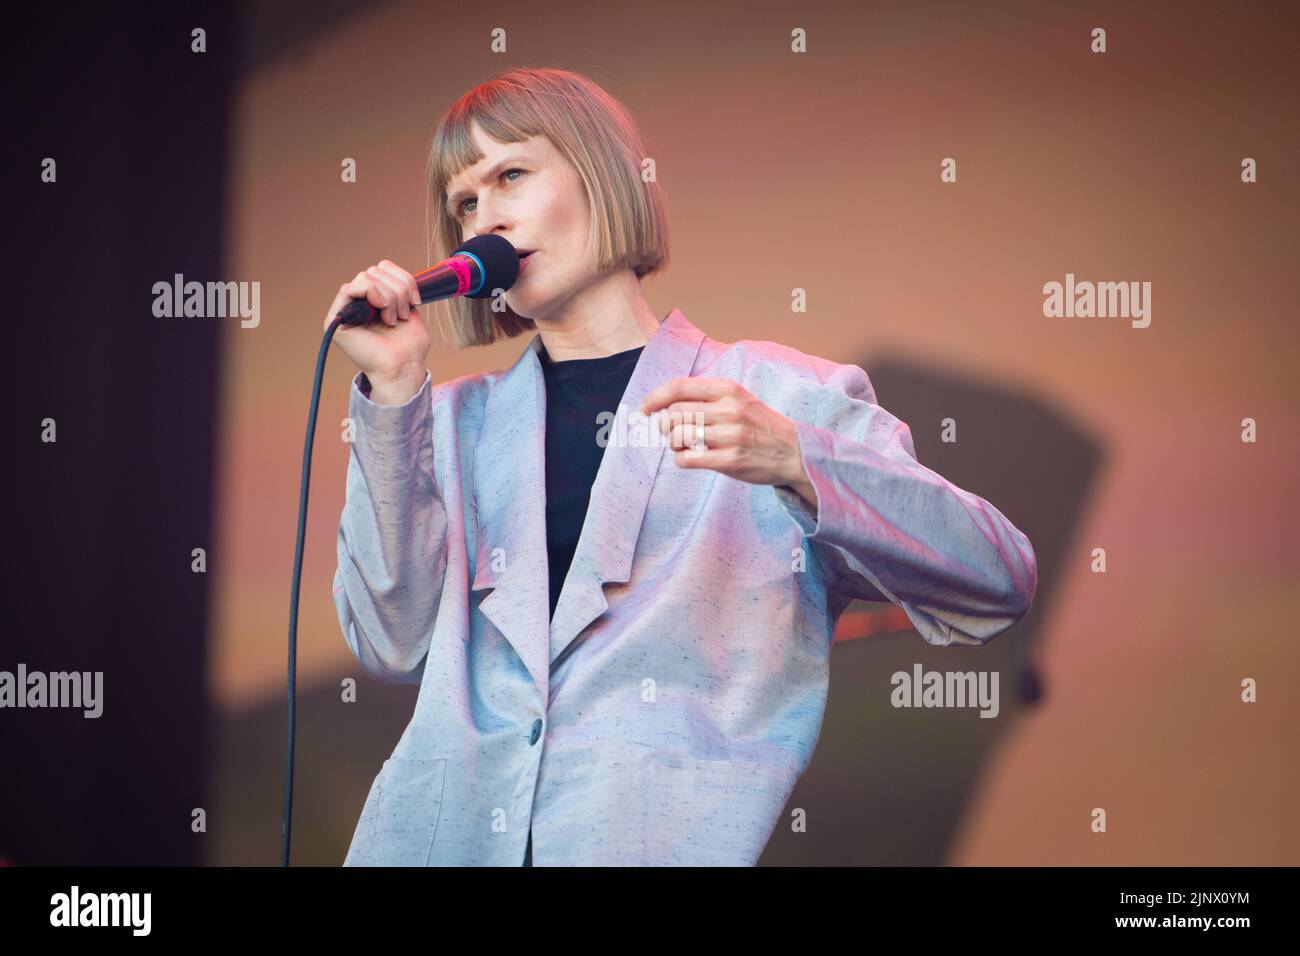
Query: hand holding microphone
[(375, 308), (391, 352)]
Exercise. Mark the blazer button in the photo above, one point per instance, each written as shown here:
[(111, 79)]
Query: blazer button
[(537, 731)]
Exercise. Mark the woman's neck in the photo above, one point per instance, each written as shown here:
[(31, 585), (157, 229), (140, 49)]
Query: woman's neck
[(620, 319)]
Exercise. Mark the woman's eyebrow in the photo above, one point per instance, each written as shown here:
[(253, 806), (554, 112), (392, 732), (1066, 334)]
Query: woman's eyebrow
[(490, 175)]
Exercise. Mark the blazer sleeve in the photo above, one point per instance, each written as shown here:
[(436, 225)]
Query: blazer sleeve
[(888, 528), (392, 541)]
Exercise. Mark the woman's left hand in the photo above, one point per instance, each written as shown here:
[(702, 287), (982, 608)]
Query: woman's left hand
[(715, 423)]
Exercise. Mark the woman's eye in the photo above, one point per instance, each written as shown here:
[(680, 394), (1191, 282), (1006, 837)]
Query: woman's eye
[(463, 211)]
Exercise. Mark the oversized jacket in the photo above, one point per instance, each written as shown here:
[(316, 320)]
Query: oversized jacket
[(665, 713)]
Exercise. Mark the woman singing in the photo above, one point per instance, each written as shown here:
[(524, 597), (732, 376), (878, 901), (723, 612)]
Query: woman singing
[(615, 568)]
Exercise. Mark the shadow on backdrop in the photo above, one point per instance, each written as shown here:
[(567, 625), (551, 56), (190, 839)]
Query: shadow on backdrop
[(102, 523)]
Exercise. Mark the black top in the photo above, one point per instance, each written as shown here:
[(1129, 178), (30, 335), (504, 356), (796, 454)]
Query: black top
[(577, 390)]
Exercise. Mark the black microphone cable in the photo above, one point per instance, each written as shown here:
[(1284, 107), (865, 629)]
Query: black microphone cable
[(285, 823)]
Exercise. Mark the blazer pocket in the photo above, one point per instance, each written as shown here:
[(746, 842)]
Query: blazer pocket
[(698, 811), (400, 818)]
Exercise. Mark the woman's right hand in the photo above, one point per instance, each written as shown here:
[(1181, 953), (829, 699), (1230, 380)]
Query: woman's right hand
[(391, 352)]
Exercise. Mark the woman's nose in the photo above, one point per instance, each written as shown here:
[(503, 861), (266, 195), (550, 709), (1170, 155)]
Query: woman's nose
[(489, 217)]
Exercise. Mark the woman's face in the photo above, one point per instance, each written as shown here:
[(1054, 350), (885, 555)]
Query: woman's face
[(529, 194)]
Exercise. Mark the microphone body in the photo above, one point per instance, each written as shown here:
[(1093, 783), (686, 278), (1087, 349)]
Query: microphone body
[(475, 269)]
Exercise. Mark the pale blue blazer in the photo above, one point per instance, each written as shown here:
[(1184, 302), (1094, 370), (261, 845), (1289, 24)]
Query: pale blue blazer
[(665, 714)]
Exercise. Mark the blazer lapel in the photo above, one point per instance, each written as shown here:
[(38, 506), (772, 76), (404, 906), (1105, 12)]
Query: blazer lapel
[(620, 492), (510, 501)]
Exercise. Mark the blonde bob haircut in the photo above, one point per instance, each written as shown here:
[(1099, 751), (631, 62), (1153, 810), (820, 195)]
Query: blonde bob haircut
[(590, 129)]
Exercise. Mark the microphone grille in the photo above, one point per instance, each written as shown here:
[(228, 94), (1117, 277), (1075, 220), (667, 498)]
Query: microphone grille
[(500, 263)]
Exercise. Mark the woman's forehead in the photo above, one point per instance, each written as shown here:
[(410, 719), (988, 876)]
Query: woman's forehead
[(490, 152)]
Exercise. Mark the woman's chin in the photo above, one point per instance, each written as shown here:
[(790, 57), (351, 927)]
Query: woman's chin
[(525, 306), (520, 308)]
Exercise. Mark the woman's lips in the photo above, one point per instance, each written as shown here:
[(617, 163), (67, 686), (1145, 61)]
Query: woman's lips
[(523, 263)]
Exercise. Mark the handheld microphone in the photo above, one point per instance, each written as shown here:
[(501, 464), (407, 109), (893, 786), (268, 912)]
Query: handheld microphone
[(476, 269)]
